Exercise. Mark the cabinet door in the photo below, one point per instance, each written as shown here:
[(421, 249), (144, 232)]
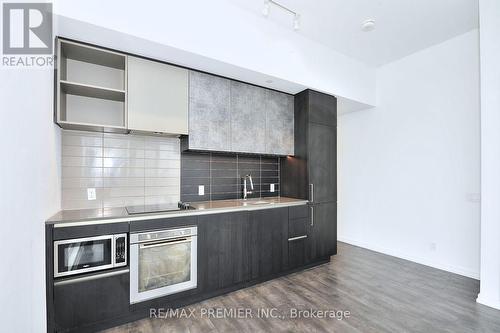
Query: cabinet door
[(322, 108), (223, 250), (83, 303), (279, 123), (322, 163), (299, 241), (209, 118), (268, 241), (323, 230), (248, 118), (157, 97)]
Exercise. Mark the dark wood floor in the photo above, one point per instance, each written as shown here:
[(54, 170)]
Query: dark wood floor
[(382, 294)]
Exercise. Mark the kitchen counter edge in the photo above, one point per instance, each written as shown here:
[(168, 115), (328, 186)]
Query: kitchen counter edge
[(71, 218)]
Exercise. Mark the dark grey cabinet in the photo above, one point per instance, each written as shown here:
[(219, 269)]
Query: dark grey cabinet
[(223, 250), (268, 242), (312, 173), (322, 159), (323, 235), (81, 303)]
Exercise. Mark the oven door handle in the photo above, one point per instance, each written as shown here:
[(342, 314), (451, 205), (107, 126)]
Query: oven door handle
[(169, 242)]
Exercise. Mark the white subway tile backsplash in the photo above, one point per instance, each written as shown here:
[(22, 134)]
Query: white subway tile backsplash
[(123, 182), (81, 151), (78, 161), (81, 172), (124, 169), (162, 164), (155, 182), (159, 191), (162, 155), (114, 162), (123, 153), (124, 172), (162, 173), (82, 182)]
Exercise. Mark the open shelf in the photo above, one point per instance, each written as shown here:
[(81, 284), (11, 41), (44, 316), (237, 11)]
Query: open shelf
[(91, 87), (88, 90)]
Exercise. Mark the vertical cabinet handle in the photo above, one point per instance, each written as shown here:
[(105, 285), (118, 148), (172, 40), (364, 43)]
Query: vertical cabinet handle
[(311, 192), (312, 216)]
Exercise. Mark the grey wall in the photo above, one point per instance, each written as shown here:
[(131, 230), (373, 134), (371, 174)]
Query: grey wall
[(124, 169), (221, 175)]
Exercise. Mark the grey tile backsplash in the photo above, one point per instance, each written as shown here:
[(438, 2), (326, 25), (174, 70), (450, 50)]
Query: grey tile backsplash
[(221, 174), (124, 169)]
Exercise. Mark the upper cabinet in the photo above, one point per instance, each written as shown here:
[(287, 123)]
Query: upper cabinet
[(248, 118), (102, 90), (107, 91), (90, 88), (231, 116), (157, 97), (209, 105)]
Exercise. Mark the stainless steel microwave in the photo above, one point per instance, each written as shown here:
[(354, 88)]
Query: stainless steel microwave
[(83, 255)]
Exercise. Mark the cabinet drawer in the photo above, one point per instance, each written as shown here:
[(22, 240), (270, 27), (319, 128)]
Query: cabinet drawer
[(298, 227), (87, 302), (298, 212)]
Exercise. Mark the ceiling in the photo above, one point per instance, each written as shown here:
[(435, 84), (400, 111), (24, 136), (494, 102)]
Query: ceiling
[(402, 26)]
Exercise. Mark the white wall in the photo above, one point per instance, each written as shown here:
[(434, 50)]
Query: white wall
[(217, 36), (409, 169), (489, 20), (29, 194)]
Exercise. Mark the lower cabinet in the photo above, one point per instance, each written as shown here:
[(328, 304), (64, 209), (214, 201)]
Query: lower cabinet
[(268, 242), (323, 230), (223, 248), (243, 246), (80, 302)]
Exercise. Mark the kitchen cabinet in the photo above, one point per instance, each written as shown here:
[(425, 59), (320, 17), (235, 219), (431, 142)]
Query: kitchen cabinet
[(79, 302), (299, 236), (232, 116), (157, 97), (322, 168), (223, 250), (268, 242), (279, 123), (323, 234), (312, 173), (209, 112), (90, 88), (248, 118)]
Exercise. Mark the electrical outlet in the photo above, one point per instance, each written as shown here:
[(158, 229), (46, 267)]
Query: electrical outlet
[(201, 189), (91, 194), (432, 247), (271, 188)]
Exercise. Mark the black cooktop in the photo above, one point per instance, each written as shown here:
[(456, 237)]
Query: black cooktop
[(143, 209)]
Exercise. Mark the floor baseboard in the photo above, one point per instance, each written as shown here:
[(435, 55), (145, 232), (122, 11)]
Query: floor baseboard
[(422, 261)]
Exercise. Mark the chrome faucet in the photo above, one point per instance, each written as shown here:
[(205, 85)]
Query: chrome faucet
[(245, 191)]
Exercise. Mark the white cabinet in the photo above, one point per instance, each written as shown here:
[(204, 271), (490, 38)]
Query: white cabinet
[(157, 97)]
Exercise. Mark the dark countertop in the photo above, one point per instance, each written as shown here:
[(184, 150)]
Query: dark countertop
[(119, 214)]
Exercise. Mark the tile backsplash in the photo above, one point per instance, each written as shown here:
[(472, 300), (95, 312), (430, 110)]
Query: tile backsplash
[(221, 174), (123, 169)]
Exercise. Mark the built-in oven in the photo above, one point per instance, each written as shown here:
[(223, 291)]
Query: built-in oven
[(89, 254), (162, 262)]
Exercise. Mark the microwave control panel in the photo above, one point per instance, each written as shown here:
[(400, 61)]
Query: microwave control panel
[(121, 250)]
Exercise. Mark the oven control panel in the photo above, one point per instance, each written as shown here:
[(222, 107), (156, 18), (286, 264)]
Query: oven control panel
[(120, 250)]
